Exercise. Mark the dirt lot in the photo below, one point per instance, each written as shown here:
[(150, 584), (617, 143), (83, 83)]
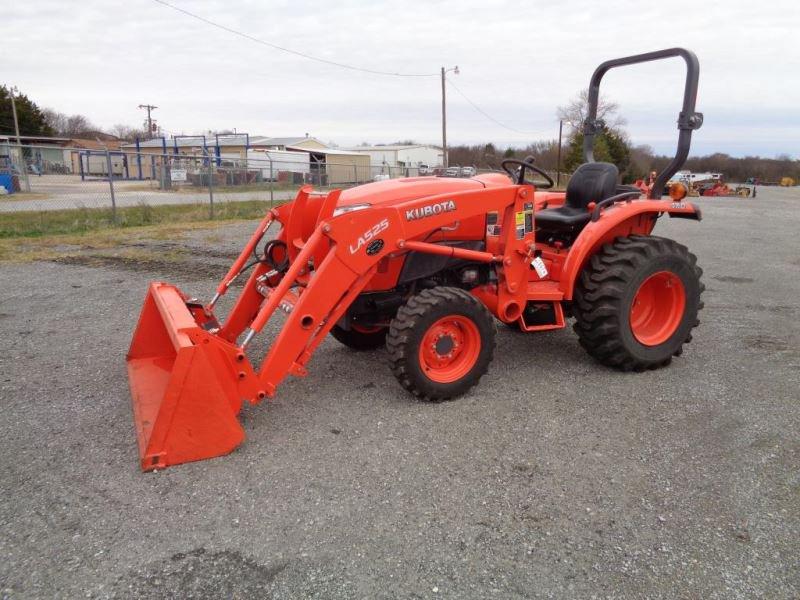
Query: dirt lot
[(555, 477), (58, 192)]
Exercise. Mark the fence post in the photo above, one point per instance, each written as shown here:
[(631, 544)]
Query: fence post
[(139, 159), (110, 170), (23, 166), (211, 188), (271, 183)]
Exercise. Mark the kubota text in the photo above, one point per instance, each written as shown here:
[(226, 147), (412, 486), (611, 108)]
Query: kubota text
[(430, 210)]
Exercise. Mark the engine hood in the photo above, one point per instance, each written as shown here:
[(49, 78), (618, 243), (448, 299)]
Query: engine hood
[(411, 188)]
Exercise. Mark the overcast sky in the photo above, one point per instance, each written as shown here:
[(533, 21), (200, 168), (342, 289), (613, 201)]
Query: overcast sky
[(518, 60)]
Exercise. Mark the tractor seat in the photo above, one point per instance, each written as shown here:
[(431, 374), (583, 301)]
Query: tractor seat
[(591, 182)]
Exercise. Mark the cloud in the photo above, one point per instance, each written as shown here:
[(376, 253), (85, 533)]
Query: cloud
[(518, 61)]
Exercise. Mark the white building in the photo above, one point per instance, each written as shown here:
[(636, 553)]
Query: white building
[(410, 157), (273, 162)]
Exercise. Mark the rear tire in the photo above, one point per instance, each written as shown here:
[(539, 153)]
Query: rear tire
[(357, 338), (441, 343), (637, 301)]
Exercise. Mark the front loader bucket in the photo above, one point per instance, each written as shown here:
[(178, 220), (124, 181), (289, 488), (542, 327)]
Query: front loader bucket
[(187, 384)]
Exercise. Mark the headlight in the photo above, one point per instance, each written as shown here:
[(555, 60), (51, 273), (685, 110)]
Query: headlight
[(346, 209)]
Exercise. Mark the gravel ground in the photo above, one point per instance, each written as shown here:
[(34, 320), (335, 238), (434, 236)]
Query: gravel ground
[(555, 477)]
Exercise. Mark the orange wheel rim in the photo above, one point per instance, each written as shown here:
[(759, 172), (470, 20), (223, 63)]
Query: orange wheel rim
[(657, 308), (449, 349)]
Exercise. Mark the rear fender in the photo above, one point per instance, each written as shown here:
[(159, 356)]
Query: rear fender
[(621, 220)]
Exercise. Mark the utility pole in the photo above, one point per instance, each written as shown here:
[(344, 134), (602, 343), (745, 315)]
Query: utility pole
[(444, 115), (148, 108), (444, 123), (558, 169), (13, 91)]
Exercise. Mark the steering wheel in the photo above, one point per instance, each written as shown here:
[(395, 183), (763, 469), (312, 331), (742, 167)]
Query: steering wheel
[(520, 175)]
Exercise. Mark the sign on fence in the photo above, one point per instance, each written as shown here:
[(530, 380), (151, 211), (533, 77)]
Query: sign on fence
[(178, 175)]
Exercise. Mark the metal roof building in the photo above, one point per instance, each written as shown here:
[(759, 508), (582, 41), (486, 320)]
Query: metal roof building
[(337, 166), (282, 143), (403, 156), (232, 143)]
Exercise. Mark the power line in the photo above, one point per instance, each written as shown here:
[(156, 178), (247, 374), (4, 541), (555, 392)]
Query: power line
[(289, 50), (490, 117)]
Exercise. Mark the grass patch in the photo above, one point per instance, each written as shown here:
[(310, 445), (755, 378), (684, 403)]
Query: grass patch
[(20, 196), (218, 189), (87, 220), (250, 187), (99, 243)]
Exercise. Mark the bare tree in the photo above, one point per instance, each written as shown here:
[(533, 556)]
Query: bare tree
[(69, 125), (128, 133), (575, 113), (56, 120), (489, 156), (636, 161), (78, 125), (642, 160)]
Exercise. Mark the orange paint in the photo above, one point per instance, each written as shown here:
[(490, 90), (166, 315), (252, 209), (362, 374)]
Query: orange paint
[(189, 374)]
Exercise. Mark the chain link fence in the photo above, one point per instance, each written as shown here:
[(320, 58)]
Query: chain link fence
[(48, 189)]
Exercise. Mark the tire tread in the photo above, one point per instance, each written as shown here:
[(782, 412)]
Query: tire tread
[(408, 318), (599, 293)]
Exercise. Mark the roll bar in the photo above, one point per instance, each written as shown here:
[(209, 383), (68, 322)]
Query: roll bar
[(688, 119)]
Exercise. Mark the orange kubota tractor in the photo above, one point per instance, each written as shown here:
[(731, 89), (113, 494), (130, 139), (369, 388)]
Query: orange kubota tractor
[(424, 265)]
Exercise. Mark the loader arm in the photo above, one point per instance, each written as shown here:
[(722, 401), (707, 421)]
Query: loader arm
[(316, 295), (189, 375)]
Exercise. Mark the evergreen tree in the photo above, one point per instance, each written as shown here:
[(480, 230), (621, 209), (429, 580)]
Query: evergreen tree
[(609, 146), (29, 116)]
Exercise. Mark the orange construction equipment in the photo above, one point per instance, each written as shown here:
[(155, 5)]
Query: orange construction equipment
[(424, 266), (718, 188)]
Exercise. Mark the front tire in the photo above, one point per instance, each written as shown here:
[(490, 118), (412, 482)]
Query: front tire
[(441, 343), (637, 301)]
